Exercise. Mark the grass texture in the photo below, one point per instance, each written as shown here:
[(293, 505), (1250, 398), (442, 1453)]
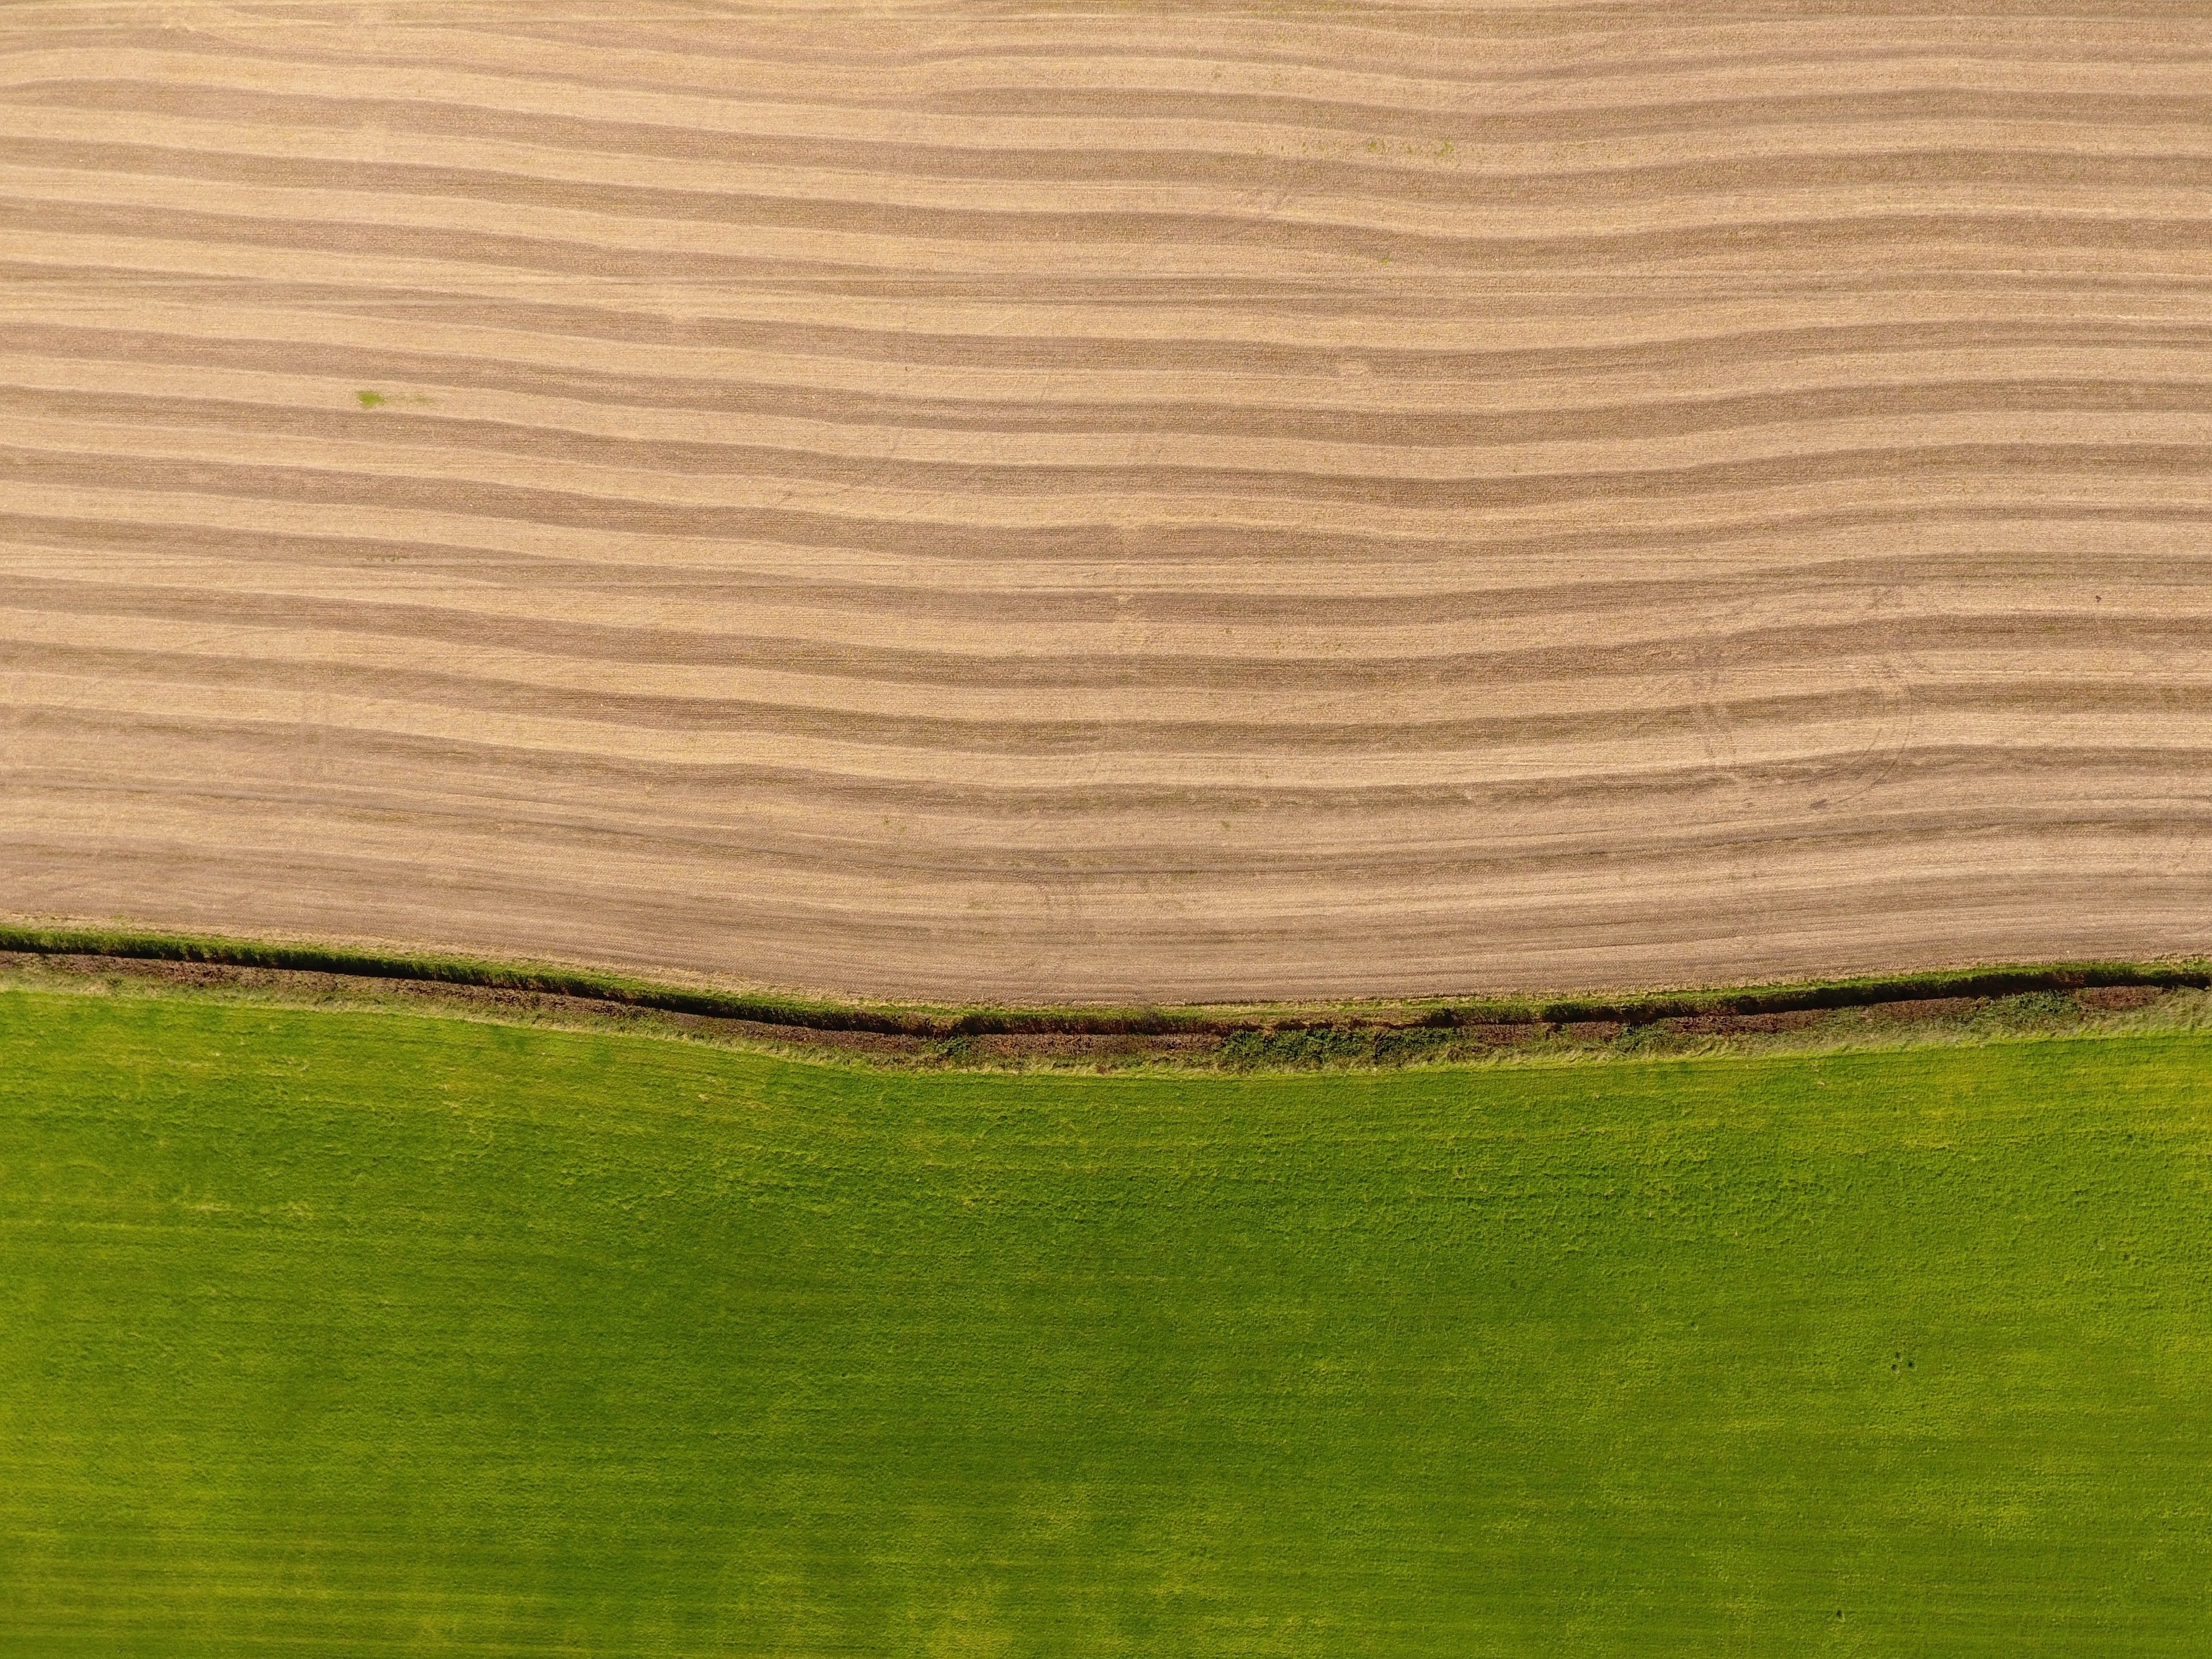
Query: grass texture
[(331, 1333)]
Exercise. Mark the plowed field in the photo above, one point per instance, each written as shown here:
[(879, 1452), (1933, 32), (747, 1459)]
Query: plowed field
[(988, 502)]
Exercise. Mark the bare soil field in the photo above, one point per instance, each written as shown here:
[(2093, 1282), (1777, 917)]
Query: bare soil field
[(1186, 502)]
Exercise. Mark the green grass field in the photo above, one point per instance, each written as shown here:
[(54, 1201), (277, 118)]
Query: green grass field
[(364, 1333)]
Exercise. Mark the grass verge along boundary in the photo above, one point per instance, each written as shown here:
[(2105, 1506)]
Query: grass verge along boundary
[(1959, 1002), (925, 1021)]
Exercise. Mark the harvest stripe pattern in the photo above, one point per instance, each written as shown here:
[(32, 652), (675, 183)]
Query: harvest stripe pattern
[(968, 500)]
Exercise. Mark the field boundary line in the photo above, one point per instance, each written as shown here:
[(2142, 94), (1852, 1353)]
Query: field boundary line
[(939, 1022)]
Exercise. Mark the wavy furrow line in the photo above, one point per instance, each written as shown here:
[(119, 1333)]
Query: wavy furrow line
[(1660, 704), (1333, 581), (211, 575), (1059, 504), (808, 237), (826, 193), (2161, 73), (825, 862), (1552, 634), (892, 499), (238, 126), (1119, 377), (1626, 444)]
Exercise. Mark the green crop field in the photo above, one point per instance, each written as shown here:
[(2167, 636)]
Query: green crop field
[(358, 1333)]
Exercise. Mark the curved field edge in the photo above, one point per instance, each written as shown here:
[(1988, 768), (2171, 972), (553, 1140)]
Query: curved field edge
[(1934, 1005), (354, 1333)]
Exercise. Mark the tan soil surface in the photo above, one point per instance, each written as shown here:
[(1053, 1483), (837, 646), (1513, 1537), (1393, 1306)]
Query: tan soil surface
[(985, 503)]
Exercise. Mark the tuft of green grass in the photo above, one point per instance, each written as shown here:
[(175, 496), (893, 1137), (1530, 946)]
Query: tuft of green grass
[(336, 1332), (372, 399)]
